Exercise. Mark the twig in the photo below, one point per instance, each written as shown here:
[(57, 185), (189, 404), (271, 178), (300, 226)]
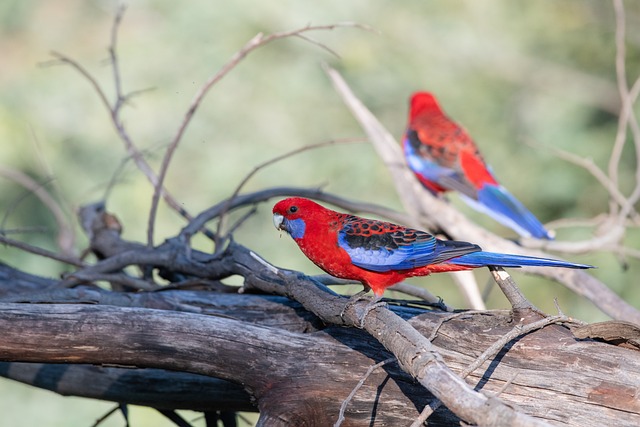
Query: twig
[(418, 292), (345, 402), (597, 173), (106, 415), (436, 329), (175, 418), (114, 115), (623, 89), (257, 41), (256, 169), (66, 235), (260, 196), (507, 384), (119, 278), (42, 252)]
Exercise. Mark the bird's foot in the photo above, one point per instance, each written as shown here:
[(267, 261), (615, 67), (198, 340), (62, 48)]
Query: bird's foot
[(352, 300), (373, 304)]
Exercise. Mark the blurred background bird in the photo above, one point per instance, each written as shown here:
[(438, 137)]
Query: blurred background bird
[(444, 157)]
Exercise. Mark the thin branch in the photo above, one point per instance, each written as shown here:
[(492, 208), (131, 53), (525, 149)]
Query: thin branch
[(257, 41), (421, 293), (366, 375), (107, 415), (116, 278), (42, 252), (493, 350), (256, 169), (263, 195), (66, 235), (114, 115), (597, 173), (175, 418)]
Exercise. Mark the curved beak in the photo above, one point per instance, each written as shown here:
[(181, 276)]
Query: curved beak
[(278, 222)]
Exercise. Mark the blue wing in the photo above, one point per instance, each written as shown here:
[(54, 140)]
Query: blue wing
[(429, 170), (381, 246)]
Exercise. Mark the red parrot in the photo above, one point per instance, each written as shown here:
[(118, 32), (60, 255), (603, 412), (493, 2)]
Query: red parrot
[(443, 157), (380, 254)]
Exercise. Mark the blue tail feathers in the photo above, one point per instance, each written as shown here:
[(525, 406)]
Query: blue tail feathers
[(498, 203), (482, 259)]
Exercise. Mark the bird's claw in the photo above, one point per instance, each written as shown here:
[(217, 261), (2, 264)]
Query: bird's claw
[(375, 303), (352, 300)]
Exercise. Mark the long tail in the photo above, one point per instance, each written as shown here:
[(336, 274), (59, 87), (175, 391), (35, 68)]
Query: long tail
[(482, 259), (497, 202)]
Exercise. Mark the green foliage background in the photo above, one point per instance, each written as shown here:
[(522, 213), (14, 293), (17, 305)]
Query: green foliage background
[(514, 73)]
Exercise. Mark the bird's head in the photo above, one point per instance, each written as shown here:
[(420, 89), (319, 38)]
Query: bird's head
[(291, 214), (423, 102)]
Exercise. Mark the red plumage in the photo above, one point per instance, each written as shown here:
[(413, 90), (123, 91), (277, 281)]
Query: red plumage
[(378, 253)]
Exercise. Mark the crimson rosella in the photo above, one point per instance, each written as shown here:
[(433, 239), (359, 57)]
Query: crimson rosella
[(380, 254), (444, 157)]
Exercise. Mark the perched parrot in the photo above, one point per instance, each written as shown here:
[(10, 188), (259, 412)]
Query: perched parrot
[(443, 157), (380, 254)]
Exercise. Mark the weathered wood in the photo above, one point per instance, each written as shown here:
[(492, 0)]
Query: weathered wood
[(551, 374), (292, 376), (298, 370)]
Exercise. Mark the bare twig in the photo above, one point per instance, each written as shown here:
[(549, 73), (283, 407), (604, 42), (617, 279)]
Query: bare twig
[(223, 215), (263, 195), (597, 173), (623, 89), (493, 350), (116, 278), (257, 41), (42, 252), (108, 414), (115, 109), (66, 235), (421, 293), (345, 402)]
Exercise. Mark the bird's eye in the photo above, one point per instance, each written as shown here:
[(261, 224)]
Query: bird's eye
[(293, 209)]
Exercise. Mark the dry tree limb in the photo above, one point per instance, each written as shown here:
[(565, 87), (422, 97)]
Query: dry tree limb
[(421, 203), (510, 290)]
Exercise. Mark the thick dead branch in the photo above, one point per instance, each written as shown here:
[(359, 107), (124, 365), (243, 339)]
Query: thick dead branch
[(156, 388)]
